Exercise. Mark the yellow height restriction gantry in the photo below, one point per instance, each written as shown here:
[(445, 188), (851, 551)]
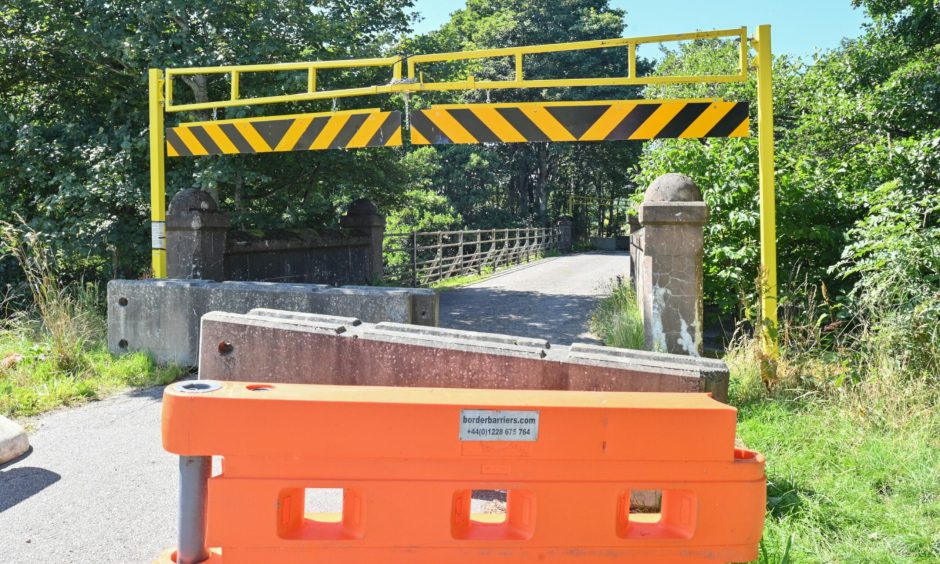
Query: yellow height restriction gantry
[(474, 123)]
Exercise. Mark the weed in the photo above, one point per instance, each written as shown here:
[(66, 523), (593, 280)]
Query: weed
[(617, 319), (458, 281), (34, 383), (52, 349), (67, 315), (485, 272)]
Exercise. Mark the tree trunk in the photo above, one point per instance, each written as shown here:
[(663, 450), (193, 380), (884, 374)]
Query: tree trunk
[(541, 185), (522, 188), (239, 185)]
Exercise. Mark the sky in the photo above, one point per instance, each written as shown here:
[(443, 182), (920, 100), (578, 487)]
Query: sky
[(799, 27)]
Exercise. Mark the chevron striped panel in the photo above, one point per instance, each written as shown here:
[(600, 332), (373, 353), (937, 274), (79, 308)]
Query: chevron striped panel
[(304, 132), (590, 121)]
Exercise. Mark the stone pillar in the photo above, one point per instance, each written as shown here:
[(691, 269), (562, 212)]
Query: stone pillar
[(635, 248), (363, 216), (673, 215), (634, 224), (565, 241), (195, 237)]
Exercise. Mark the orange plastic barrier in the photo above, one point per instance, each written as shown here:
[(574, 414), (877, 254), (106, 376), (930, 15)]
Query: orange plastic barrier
[(408, 460)]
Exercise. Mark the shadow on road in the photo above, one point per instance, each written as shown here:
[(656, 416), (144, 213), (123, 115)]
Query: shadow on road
[(154, 393), (21, 483), (559, 318)]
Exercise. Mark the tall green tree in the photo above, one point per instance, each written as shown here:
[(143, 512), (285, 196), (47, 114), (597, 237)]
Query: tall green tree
[(532, 182), (73, 114)]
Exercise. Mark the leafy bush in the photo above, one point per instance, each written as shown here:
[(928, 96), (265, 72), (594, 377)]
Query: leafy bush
[(422, 209), (895, 256)]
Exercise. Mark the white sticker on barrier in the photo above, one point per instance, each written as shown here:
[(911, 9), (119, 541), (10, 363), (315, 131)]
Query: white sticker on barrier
[(498, 425), (158, 235)]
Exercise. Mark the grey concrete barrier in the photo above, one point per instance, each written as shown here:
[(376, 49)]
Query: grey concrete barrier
[(278, 347), (13, 440), (162, 316)]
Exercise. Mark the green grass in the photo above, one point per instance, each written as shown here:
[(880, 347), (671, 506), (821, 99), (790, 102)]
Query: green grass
[(52, 344), (37, 382), (853, 472), (617, 319), (458, 281)]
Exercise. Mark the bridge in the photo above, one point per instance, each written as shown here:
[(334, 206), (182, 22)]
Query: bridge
[(98, 471)]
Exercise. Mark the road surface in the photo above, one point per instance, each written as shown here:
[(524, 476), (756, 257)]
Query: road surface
[(551, 299), (98, 487)]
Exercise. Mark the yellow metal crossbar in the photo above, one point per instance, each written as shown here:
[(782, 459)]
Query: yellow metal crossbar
[(414, 81)]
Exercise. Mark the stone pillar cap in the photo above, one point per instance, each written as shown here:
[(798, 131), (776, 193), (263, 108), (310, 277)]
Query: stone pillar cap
[(192, 199), (672, 187), (362, 213), (362, 206)]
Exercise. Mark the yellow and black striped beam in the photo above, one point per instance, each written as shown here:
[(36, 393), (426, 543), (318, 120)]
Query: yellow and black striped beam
[(578, 121), (303, 132)]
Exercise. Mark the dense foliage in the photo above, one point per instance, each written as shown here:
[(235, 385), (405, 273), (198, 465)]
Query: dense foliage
[(73, 118), (73, 115), (857, 133)]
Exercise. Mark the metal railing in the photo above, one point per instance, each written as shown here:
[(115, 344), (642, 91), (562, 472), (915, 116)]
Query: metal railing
[(422, 258), (407, 77)]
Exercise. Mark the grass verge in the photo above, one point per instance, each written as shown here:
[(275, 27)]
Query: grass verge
[(852, 476), (32, 381), (52, 344), (458, 281)]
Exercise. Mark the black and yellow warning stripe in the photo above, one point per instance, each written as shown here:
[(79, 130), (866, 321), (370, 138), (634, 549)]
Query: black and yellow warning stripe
[(577, 121), (303, 132)]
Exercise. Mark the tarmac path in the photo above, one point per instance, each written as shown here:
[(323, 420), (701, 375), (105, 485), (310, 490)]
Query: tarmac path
[(551, 299), (98, 487)]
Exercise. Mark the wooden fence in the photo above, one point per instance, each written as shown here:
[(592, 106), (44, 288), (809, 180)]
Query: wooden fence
[(422, 258)]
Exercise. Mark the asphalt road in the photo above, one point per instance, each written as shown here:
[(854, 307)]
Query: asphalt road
[(98, 487), (551, 299)]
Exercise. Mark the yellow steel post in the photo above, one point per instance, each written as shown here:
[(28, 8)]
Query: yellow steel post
[(768, 227), (631, 60), (236, 85), (157, 177)]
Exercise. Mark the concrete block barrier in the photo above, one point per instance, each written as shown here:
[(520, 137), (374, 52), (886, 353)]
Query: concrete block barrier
[(13, 440), (278, 347), (162, 316)]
